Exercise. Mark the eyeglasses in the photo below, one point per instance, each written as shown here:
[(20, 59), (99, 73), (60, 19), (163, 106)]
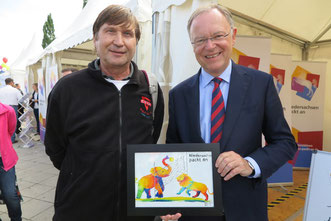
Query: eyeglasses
[(216, 38)]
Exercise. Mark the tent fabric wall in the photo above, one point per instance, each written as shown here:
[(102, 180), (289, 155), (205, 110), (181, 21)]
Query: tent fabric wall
[(160, 6), (18, 75), (172, 40), (32, 75), (173, 57), (278, 45)]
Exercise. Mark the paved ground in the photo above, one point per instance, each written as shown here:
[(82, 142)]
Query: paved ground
[(36, 179)]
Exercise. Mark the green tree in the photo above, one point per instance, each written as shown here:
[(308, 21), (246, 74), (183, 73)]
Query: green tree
[(49, 31), (84, 3)]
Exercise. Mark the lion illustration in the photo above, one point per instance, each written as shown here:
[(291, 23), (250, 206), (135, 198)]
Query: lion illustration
[(187, 183)]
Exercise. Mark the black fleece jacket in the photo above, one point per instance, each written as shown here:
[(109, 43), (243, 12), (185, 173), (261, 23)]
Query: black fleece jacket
[(89, 124)]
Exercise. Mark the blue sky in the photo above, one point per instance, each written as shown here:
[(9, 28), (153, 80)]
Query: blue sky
[(20, 19)]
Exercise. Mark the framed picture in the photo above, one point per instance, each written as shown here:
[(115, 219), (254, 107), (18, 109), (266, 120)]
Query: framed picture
[(170, 178)]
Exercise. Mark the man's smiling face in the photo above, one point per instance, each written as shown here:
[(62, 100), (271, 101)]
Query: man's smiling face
[(214, 55)]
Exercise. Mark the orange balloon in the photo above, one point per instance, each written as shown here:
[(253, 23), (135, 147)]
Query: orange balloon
[(5, 60)]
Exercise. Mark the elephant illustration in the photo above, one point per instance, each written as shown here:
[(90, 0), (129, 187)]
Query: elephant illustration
[(154, 180)]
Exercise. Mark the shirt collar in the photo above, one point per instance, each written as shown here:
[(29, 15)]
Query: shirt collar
[(206, 78), (97, 67)]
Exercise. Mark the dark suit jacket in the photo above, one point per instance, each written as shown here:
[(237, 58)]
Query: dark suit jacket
[(253, 108)]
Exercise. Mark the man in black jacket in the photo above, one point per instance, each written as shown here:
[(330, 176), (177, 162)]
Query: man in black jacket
[(92, 115)]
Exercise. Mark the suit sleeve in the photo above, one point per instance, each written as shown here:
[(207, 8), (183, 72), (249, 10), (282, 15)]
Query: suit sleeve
[(172, 135), (11, 121), (159, 115), (281, 145), (54, 138)]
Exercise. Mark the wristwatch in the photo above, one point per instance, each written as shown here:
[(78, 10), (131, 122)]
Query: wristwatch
[(252, 167)]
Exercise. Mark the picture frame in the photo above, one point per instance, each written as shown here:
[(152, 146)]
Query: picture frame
[(173, 178)]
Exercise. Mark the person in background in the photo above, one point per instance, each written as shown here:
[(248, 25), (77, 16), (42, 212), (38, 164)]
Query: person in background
[(34, 103), (234, 106), (92, 115), (18, 87), (20, 110), (67, 71), (8, 160), (10, 95)]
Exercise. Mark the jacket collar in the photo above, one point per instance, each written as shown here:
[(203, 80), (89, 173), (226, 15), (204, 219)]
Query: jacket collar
[(240, 82), (194, 107), (96, 73), (97, 67)]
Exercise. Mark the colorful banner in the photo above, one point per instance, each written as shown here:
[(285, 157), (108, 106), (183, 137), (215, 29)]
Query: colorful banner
[(42, 103), (51, 78), (307, 92), (26, 83), (253, 52), (280, 69)]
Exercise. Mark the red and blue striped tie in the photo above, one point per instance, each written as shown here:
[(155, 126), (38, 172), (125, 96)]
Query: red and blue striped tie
[(217, 112)]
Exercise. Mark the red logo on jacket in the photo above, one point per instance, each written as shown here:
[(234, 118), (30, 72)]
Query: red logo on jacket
[(146, 105), (147, 102)]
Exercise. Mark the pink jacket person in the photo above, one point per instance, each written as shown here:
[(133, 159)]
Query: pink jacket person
[(7, 128)]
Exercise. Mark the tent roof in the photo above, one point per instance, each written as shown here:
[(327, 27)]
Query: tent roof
[(304, 20), (33, 49), (80, 30)]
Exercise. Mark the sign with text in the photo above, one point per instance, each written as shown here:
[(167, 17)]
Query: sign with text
[(171, 178), (42, 103), (307, 93)]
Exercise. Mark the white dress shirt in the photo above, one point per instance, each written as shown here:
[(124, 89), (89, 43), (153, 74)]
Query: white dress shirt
[(9, 95), (35, 98)]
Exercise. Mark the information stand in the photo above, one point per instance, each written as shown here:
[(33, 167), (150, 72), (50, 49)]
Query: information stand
[(318, 198), (26, 119)]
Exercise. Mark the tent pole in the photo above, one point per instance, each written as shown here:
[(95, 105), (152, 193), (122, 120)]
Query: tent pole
[(321, 34), (305, 51), (244, 19)]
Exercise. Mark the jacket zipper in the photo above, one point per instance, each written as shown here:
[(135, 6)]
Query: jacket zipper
[(120, 156)]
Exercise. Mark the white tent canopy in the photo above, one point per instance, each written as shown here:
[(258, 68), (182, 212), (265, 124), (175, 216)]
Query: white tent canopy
[(18, 67), (75, 42)]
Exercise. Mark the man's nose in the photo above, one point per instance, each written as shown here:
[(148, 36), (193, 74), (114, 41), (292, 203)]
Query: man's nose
[(210, 43), (118, 40)]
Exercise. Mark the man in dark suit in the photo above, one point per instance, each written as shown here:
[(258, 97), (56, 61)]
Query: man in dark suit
[(235, 111)]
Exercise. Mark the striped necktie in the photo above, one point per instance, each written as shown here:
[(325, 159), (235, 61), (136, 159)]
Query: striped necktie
[(217, 112)]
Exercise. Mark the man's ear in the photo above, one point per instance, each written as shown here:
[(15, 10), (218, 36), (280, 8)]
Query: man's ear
[(234, 33), (95, 38)]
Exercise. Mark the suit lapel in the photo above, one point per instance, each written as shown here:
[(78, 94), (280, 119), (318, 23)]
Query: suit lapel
[(238, 87), (192, 98)]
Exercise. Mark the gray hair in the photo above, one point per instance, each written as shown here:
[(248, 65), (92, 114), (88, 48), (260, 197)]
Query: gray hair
[(227, 14)]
